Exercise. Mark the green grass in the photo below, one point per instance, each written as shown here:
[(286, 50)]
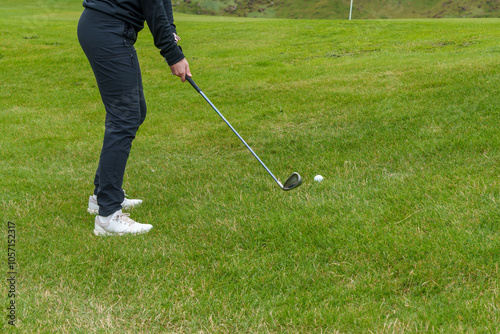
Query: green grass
[(400, 117)]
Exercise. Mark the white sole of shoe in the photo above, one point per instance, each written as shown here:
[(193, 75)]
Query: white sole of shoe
[(99, 231)]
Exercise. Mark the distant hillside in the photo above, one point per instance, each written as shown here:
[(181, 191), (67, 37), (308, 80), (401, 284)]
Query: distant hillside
[(339, 9)]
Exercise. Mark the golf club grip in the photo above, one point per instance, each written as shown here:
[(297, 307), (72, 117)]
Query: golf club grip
[(191, 81)]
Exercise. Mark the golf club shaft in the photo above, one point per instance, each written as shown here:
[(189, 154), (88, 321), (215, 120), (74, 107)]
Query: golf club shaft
[(191, 81)]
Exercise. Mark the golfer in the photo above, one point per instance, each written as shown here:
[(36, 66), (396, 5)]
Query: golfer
[(107, 31)]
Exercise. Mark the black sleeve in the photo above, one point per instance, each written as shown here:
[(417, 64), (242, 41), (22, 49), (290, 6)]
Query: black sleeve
[(170, 15), (160, 20)]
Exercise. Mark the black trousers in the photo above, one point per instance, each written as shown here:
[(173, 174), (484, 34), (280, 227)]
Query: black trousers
[(108, 44)]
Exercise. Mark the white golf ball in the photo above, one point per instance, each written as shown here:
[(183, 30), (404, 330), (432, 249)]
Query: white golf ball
[(318, 178)]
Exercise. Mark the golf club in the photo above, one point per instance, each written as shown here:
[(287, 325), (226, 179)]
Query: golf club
[(292, 182)]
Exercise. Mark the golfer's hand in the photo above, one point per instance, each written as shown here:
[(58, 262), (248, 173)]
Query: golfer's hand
[(181, 69), (176, 38)]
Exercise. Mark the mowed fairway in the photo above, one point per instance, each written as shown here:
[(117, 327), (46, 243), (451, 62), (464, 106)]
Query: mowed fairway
[(402, 236)]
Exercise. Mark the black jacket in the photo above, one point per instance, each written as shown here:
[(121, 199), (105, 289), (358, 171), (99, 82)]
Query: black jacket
[(157, 14)]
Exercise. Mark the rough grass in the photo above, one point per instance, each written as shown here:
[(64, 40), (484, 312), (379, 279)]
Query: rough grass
[(340, 9)]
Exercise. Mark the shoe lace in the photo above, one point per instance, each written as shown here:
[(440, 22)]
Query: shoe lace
[(124, 217)]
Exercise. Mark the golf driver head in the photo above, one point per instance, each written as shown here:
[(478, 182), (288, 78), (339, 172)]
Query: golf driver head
[(292, 182)]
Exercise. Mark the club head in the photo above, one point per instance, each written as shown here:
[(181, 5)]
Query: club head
[(292, 182)]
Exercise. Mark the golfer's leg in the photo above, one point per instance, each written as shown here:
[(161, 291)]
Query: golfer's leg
[(121, 95), (143, 111), (114, 62)]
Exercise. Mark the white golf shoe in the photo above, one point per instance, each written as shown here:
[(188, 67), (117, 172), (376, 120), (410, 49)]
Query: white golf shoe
[(119, 223), (93, 208)]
